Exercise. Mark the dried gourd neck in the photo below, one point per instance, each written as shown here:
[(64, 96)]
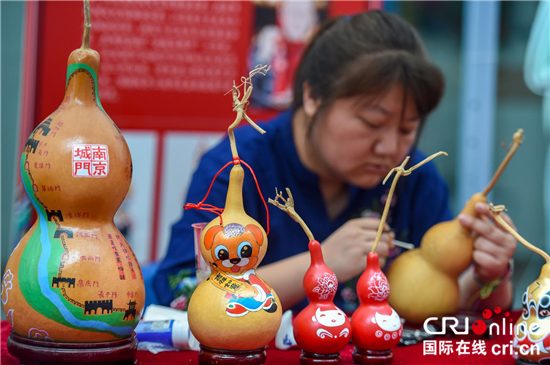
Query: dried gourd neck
[(517, 140), (470, 206), (234, 199), (82, 74), (545, 271), (316, 253)]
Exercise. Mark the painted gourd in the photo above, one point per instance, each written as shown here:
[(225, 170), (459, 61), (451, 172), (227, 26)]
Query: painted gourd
[(73, 277), (234, 309), (532, 329), (322, 327), (376, 326), (424, 280)]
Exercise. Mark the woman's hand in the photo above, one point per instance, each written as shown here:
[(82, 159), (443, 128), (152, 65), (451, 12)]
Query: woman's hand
[(345, 250), (493, 246)]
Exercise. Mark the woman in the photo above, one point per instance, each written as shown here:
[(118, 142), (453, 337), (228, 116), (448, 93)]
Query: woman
[(362, 92)]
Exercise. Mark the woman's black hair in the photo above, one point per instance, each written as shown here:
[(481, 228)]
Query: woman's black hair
[(367, 54)]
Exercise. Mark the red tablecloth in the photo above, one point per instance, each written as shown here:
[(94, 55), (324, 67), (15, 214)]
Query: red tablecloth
[(402, 354)]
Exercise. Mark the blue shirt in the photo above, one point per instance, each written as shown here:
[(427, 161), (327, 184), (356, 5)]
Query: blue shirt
[(420, 201)]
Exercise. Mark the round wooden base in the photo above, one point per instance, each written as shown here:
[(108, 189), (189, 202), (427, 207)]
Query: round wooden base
[(208, 356), (367, 357), (34, 352), (310, 358)]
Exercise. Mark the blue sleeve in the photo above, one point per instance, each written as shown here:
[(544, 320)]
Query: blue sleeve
[(181, 252), (430, 202)]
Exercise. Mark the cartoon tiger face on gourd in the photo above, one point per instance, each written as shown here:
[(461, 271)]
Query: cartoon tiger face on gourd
[(234, 248)]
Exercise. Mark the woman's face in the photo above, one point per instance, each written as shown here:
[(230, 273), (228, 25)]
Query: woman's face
[(359, 142)]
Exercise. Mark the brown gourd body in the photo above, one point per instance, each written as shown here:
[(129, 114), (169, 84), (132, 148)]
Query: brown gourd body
[(424, 281), (73, 277), (208, 317)]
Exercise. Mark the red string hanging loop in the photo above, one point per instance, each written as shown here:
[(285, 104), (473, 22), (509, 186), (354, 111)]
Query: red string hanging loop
[(259, 192), (208, 207), (219, 211)]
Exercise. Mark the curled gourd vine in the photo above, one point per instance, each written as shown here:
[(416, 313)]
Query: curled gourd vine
[(400, 171), (240, 105), (497, 210), (288, 207)]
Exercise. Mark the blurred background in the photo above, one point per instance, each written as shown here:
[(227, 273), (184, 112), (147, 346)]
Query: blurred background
[(167, 65)]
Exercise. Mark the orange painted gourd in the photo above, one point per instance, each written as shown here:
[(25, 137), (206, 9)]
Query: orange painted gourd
[(73, 277), (234, 309), (424, 281), (246, 314)]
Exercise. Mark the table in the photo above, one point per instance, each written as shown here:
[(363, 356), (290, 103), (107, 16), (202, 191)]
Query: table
[(402, 354)]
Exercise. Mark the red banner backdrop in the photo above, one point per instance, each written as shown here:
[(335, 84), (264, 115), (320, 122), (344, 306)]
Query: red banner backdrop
[(164, 65)]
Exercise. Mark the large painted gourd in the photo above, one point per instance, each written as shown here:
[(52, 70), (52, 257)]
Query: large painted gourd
[(424, 280), (532, 330), (73, 277), (234, 309)]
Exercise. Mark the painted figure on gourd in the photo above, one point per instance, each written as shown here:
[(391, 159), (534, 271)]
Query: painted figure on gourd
[(322, 329), (376, 327), (234, 309), (532, 330), (73, 277)]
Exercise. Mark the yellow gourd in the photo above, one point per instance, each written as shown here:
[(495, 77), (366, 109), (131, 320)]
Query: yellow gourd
[(424, 281), (73, 277), (234, 309)]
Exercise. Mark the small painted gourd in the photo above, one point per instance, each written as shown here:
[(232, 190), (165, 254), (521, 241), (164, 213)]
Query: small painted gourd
[(234, 309), (321, 329), (375, 326), (73, 277), (532, 329)]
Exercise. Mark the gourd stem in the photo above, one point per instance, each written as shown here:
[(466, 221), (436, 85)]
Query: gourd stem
[(517, 141), (304, 226), (232, 141), (240, 104), (288, 207), (496, 212), (400, 171), (87, 26)]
